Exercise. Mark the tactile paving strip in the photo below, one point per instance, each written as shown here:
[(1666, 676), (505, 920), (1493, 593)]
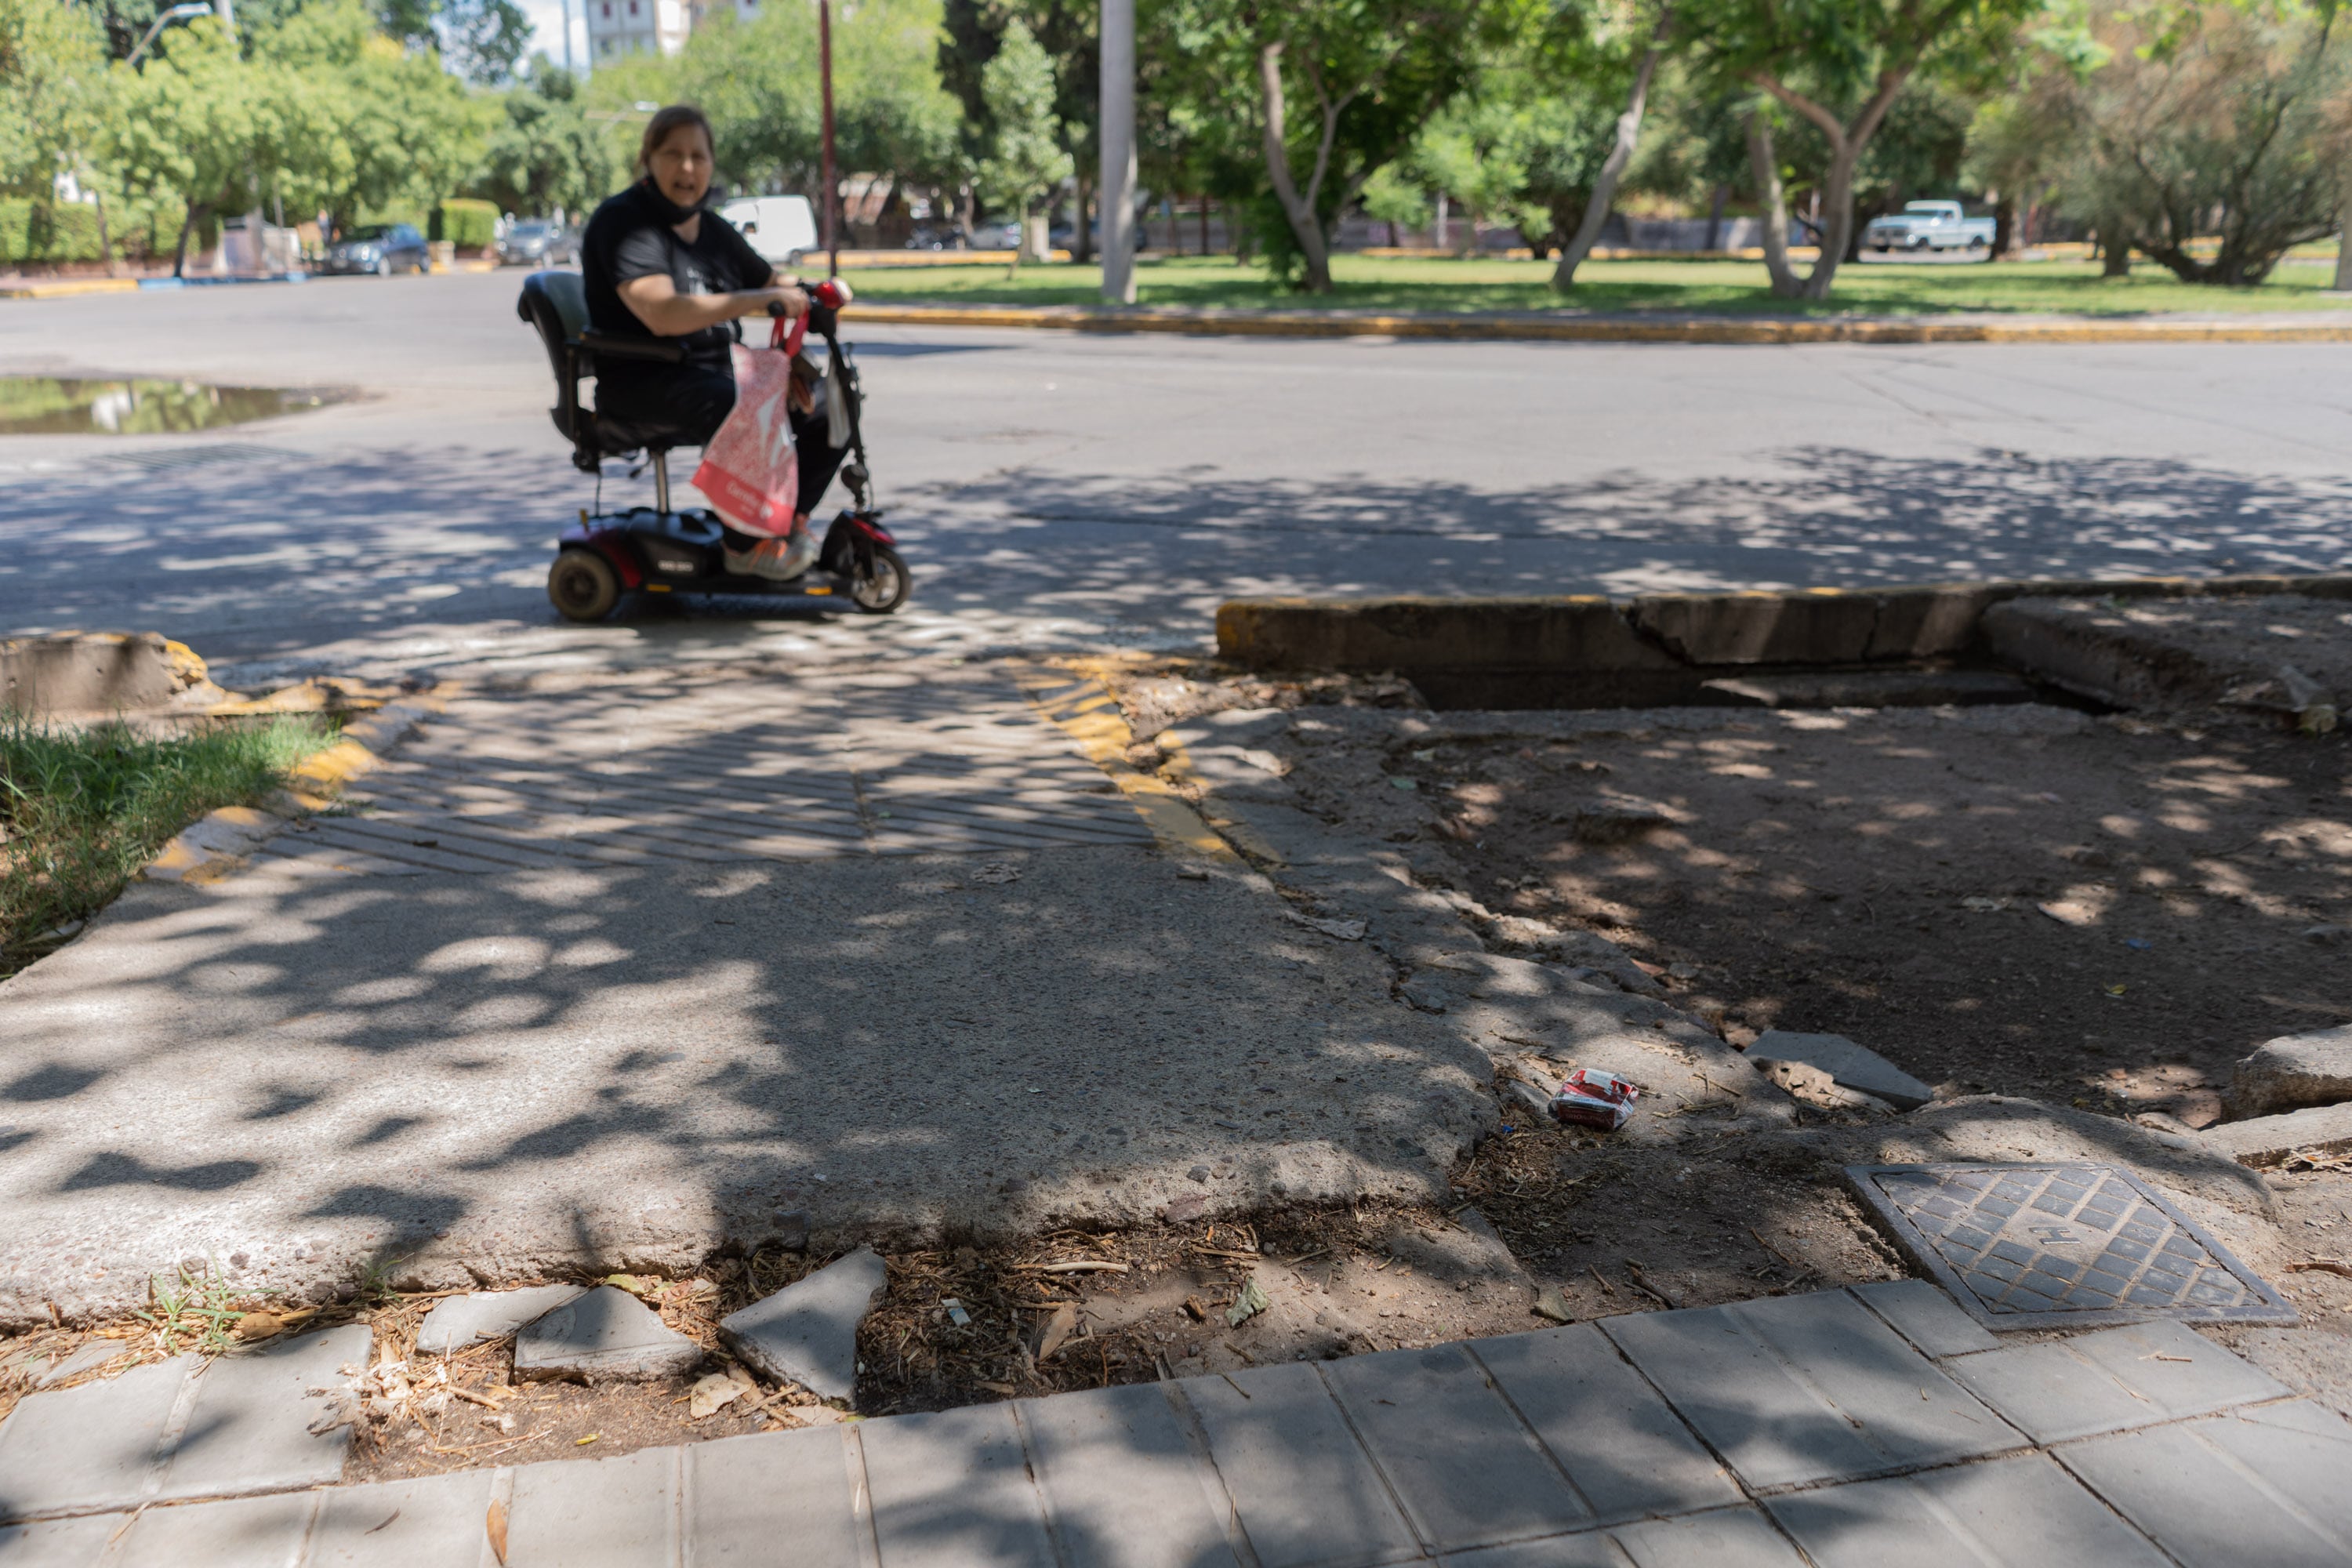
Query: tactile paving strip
[(719, 770), (2036, 1245)]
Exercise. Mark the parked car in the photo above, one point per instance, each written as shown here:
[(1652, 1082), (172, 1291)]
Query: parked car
[(783, 229), (937, 236), (536, 242), (1929, 225), (382, 248)]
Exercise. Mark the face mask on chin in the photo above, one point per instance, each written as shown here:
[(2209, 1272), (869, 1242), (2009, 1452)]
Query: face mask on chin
[(670, 211)]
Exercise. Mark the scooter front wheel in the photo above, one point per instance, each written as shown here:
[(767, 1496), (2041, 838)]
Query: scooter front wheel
[(583, 585), (881, 582)]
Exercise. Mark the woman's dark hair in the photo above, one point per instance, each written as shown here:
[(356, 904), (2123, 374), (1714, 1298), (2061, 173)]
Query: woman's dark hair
[(665, 120)]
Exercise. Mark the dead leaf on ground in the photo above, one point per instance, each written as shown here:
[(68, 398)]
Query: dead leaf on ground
[(1057, 1332), (494, 1525), (714, 1393)]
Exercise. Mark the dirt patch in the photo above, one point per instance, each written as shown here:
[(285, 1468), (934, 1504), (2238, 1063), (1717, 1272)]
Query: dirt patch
[(2098, 911)]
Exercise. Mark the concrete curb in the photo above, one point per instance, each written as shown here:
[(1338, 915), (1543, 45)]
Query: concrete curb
[(218, 844), (1588, 651), (1500, 328)]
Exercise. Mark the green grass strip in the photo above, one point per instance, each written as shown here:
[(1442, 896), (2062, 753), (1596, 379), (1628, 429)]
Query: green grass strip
[(82, 810), (1694, 288)]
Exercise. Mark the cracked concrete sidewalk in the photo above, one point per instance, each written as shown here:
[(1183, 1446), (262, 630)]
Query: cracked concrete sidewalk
[(599, 1041)]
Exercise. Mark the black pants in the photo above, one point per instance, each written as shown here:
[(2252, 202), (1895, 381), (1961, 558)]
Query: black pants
[(694, 400)]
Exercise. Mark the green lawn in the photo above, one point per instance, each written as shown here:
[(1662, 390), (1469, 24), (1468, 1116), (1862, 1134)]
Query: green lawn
[(81, 810), (1713, 288)]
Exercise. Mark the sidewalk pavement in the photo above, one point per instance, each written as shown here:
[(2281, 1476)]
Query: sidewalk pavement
[(1859, 1428), (614, 973)]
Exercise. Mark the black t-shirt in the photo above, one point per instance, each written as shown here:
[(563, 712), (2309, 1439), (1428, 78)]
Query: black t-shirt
[(629, 239)]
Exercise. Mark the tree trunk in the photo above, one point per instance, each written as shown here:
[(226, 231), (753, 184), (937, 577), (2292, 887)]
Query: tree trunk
[(1204, 224), (1837, 201), (105, 241), (1613, 168), (187, 226), (1771, 207), (2114, 250), (2004, 227), (1305, 225), (1715, 218), (2343, 283), (1082, 234)]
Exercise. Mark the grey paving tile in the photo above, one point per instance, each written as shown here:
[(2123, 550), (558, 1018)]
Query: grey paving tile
[(596, 1513), (1123, 1487), (779, 1500), (244, 1532), (1623, 1447), (1808, 1388), (1922, 1313), (2110, 1381), (1466, 1471), (57, 1542), (90, 1448), (2265, 1486), (97, 1354), (951, 1491), (404, 1524), (1306, 1493), (457, 1322), (249, 1430), (1718, 1538), (2017, 1512)]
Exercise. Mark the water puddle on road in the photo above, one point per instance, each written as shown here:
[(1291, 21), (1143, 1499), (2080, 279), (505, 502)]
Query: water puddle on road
[(62, 405)]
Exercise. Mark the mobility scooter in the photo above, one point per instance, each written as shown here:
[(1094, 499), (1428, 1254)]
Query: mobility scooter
[(655, 549)]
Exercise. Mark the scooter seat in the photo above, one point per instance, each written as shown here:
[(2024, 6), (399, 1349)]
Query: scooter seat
[(614, 437)]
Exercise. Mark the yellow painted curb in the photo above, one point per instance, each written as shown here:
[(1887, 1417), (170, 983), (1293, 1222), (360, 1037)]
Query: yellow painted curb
[(217, 844), (1084, 709), (1587, 330), (61, 287)]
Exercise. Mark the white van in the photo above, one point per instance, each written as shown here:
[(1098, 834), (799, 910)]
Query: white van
[(781, 228)]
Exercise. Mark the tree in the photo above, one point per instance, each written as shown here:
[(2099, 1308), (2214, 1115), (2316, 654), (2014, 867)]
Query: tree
[(1621, 152), (546, 156), (1837, 67), (1067, 31), (52, 91), (2217, 121), (1026, 159), (483, 40)]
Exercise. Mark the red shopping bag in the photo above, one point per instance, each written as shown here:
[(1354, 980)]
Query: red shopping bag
[(749, 470)]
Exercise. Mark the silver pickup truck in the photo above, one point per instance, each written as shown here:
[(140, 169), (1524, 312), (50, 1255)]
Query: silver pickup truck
[(1929, 225)]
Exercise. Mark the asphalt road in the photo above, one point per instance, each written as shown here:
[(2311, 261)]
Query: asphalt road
[(1058, 491)]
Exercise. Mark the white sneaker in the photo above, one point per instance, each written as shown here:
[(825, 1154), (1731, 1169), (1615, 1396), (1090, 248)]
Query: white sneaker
[(778, 560)]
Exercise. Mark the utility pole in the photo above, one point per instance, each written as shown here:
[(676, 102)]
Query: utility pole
[(228, 18), (832, 185), (1115, 193)]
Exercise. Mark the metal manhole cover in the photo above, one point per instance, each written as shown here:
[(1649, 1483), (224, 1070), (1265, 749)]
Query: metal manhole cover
[(2025, 1246)]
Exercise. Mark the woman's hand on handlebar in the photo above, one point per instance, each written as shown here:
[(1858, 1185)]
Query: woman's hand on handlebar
[(787, 301)]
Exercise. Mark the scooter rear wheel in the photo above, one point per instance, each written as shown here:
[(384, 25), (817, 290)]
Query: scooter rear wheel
[(881, 585), (583, 585)]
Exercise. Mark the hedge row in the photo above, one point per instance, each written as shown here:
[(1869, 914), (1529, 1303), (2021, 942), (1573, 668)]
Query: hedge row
[(46, 233), (468, 224)]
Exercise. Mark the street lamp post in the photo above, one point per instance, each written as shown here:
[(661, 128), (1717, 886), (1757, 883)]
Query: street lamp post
[(176, 14), (832, 185), (1114, 200)]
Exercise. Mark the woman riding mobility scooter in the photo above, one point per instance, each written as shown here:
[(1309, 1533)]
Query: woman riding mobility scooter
[(653, 319)]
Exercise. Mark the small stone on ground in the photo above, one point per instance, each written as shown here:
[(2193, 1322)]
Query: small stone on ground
[(2294, 1071), (1851, 1067)]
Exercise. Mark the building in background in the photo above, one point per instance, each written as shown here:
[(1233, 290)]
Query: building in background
[(619, 27)]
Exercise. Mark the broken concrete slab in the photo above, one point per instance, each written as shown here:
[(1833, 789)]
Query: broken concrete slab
[(1874, 689), (1850, 1066), (2150, 652), (1809, 1085), (605, 1336), (48, 1373), (461, 1321), (808, 1332), (95, 672), (1475, 1251), (2294, 1071), (2269, 1140)]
